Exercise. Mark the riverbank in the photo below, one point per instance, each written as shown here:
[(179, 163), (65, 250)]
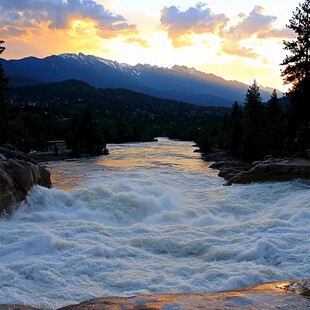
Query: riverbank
[(269, 169), (51, 156)]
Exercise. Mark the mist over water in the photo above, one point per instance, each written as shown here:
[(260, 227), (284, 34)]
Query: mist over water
[(150, 218)]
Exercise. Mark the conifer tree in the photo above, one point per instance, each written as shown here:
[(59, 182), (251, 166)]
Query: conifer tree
[(73, 136), (236, 130), (203, 139), (84, 136), (274, 125), (253, 138), (297, 64), (4, 118), (297, 72)]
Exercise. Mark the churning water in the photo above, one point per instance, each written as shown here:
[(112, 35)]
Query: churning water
[(150, 218)]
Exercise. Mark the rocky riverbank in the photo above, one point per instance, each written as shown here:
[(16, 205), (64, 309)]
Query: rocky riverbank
[(269, 169), (18, 173), (287, 295)]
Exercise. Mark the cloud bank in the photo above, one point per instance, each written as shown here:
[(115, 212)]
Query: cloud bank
[(19, 17), (200, 20)]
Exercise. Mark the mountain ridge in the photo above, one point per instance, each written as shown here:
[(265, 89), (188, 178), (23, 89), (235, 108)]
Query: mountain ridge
[(178, 82)]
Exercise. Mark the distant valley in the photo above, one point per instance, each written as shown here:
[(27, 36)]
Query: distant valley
[(179, 82)]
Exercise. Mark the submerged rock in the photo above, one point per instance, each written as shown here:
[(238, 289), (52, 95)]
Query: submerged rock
[(18, 173)]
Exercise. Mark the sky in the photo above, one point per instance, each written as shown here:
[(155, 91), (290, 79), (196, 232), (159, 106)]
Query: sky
[(236, 39)]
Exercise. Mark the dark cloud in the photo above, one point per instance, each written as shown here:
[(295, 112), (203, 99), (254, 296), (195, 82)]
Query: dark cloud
[(198, 19), (58, 14)]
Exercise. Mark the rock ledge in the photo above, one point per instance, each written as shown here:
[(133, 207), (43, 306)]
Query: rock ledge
[(269, 169)]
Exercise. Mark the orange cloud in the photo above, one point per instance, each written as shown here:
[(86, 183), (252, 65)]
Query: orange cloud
[(137, 41), (180, 25), (20, 18), (233, 48)]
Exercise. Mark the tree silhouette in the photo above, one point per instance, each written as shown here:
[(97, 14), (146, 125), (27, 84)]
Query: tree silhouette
[(253, 144), (274, 125), (297, 72), (203, 139), (298, 62), (4, 118), (236, 130), (84, 136)]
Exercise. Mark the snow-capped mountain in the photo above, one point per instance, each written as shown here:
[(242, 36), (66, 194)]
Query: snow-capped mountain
[(179, 82)]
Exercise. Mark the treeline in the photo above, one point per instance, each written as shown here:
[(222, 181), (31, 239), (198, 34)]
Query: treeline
[(88, 118), (257, 129)]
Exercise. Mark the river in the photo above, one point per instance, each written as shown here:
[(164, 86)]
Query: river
[(150, 218)]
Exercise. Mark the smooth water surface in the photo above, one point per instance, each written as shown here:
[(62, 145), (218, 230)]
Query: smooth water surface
[(150, 218)]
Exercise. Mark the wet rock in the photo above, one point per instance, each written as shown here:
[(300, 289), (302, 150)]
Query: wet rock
[(18, 173), (274, 170), (269, 169), (301, 287), (9, 151), (287, 295)]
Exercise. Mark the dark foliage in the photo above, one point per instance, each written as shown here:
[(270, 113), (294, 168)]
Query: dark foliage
[(83, 136), (4, 117), (297, 72), (87, 117), (297, 64), (253, 136)]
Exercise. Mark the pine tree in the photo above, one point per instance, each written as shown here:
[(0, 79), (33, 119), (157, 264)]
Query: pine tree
[(235, 130), (4, 118), (298, 62), (274, 125), (253, 138), (73, 136), (203, 139), (297, 72), (84, 136)]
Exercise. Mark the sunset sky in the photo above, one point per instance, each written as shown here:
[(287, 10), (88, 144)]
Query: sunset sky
[(238, 40)]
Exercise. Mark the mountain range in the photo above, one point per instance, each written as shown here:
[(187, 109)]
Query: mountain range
[(179, 82)]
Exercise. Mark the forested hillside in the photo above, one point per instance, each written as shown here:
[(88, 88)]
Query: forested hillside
[(52, 111)]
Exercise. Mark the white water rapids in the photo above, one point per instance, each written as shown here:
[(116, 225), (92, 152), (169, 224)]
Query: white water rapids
[(150, 218)]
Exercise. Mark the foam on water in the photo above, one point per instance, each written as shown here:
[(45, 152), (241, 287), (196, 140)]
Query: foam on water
[(150, 218)]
